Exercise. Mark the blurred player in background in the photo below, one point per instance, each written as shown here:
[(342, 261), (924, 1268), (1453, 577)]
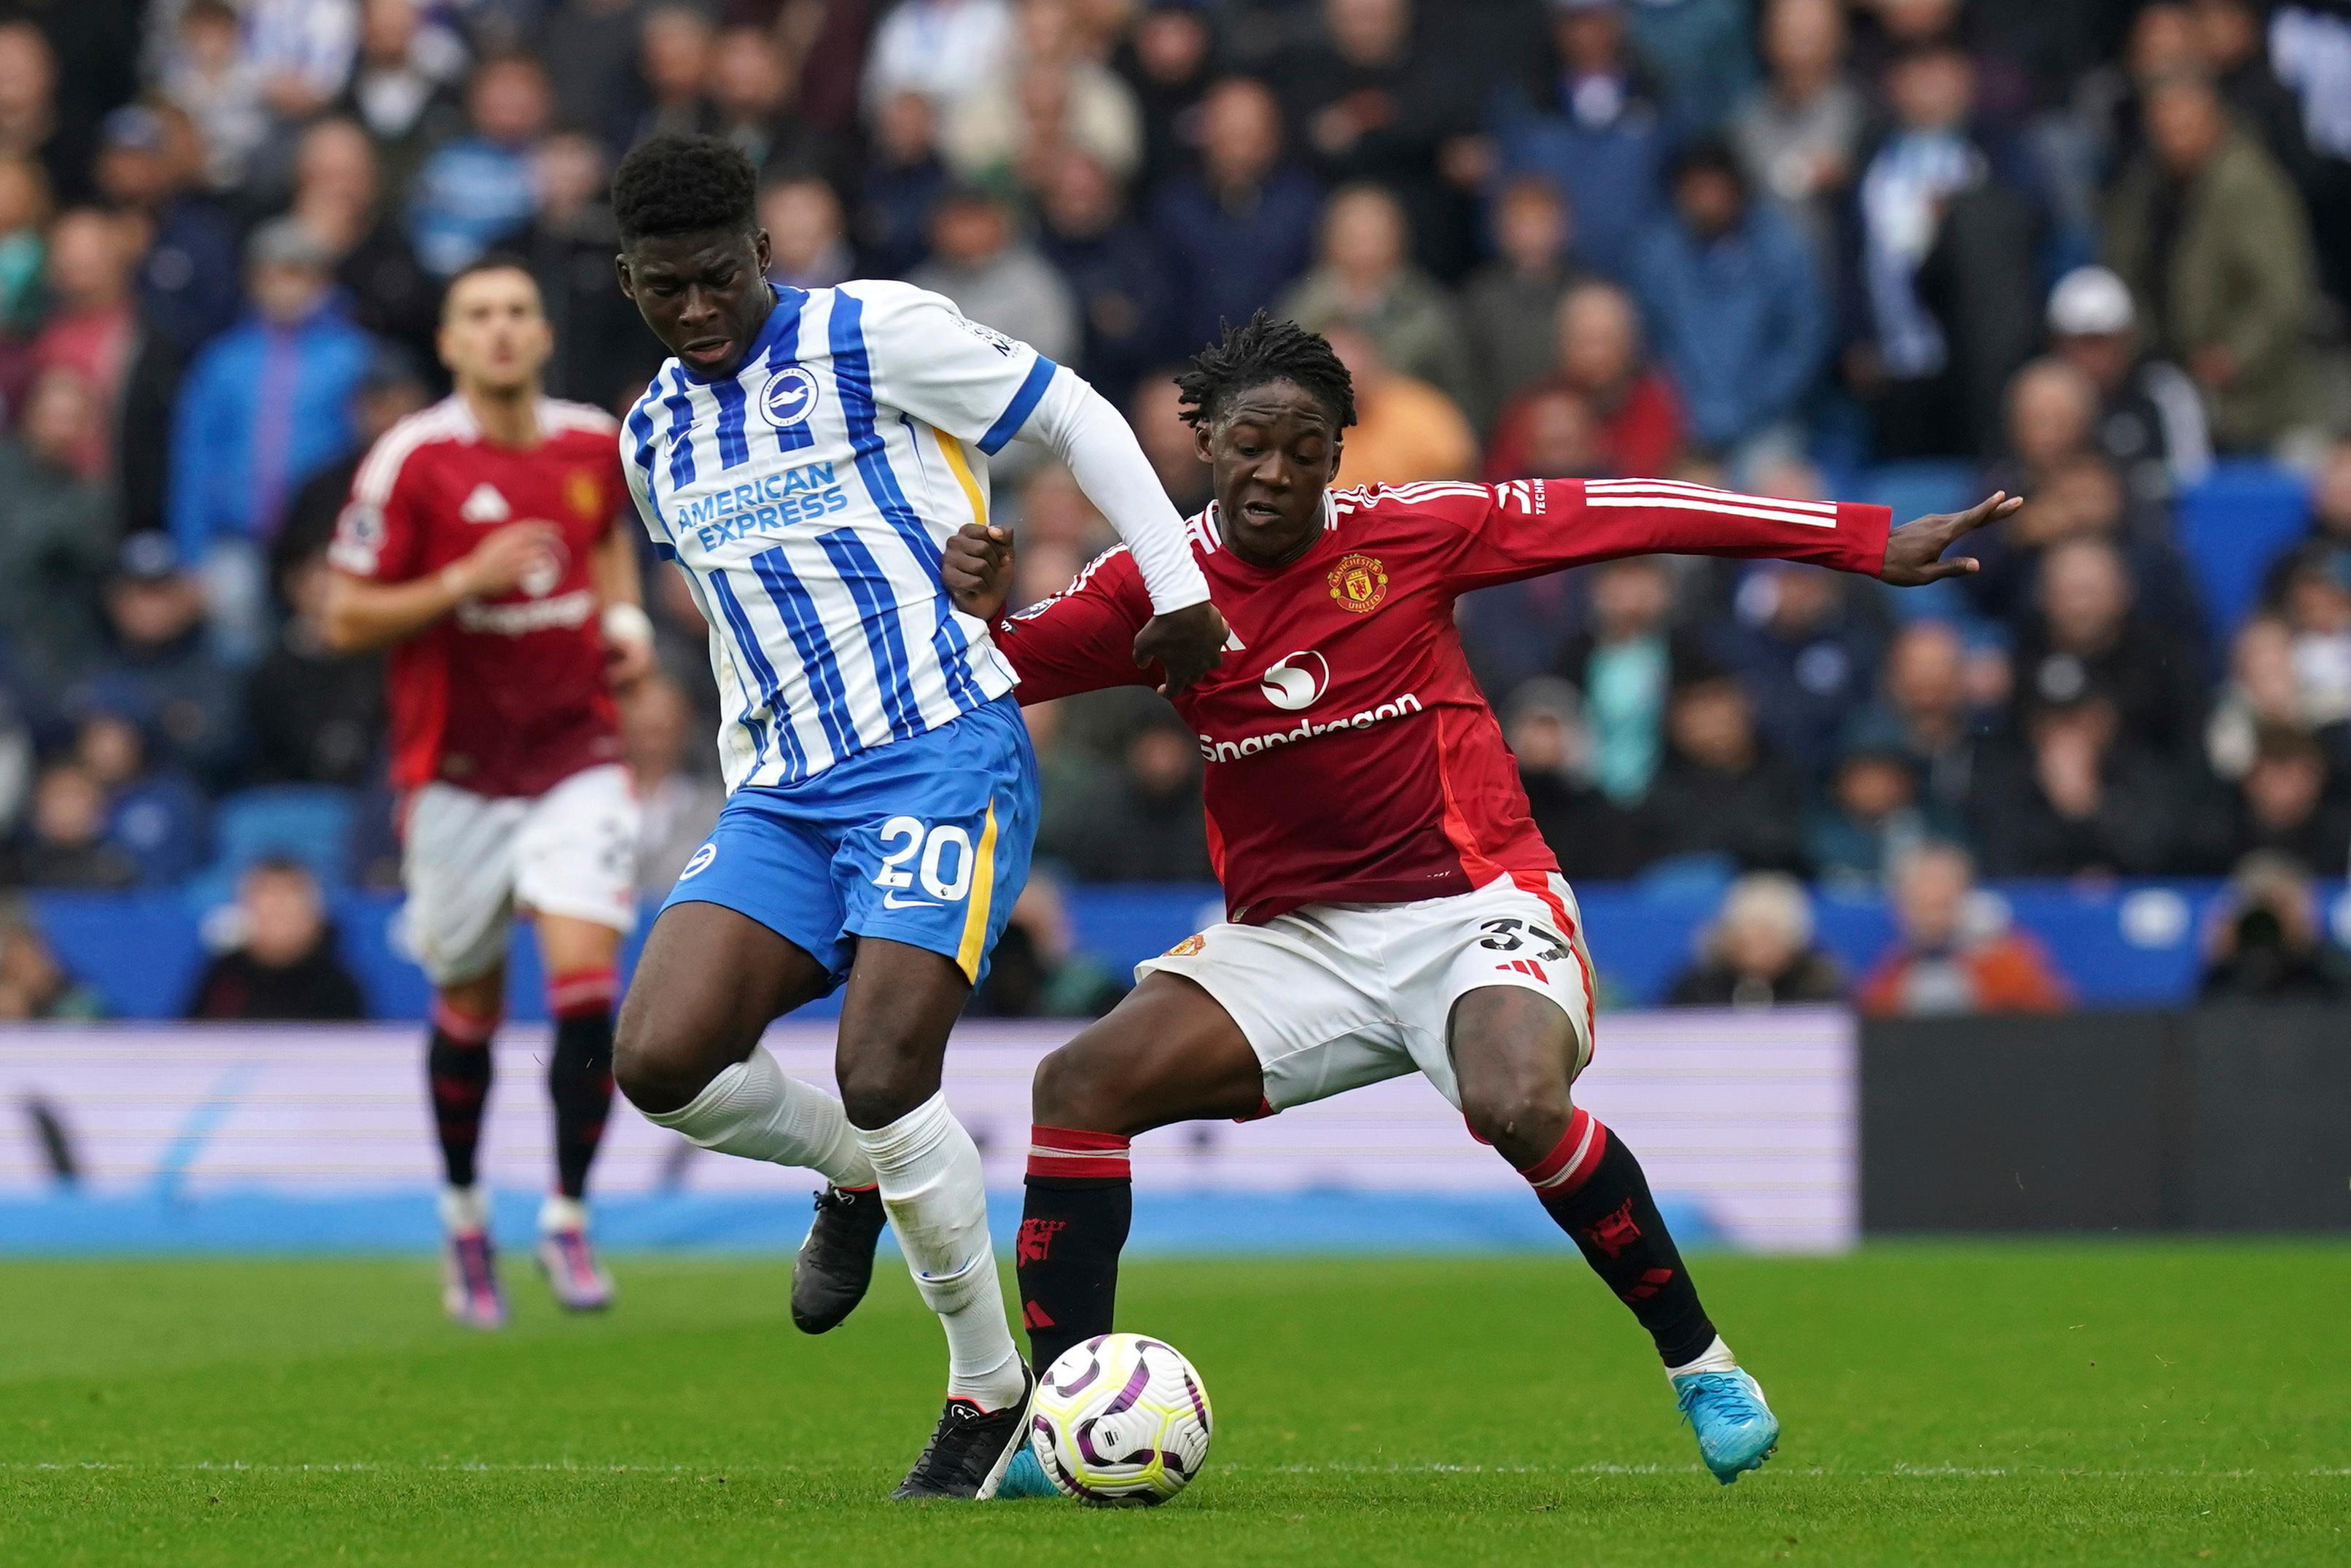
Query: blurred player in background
[(479, 545), (1392, 908)]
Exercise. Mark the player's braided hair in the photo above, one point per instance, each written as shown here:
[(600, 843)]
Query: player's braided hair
[(683, 185), (1262, 350)]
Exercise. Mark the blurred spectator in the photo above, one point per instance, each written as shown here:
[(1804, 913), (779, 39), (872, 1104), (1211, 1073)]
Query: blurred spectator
[(1110, 264), (808, 244), (2310, 49), (56, 535), (1035, 970), (154, 812), (1799, 133), (336, 199), (1145, 824), (281, 967), (2317, 608), (1925, 708), (1588, 119), (1945, 268), (1757, 952), (659, 741), (2213, 242), (1593, 837), (1406, 430), (265, 405), (674, 59), (2330, 494), (2268, 945), (1054, 100), (31, 125), (34, 984), (1873, 815), (751, 84), (1508, 305), (1234, 233), (1370, 101), (389, 389), (1364, 280), (1157, 416), (2229, 38), (1168, 61), (589, 50), (939, 48), (93, 328), (65, 844), (1719, 792), (1734, 308), (1805, 650), (1598, 356), (2289, 803), (2151, 420), (2077, 799), (316, 717), (475, 189), (24, 243), (149, 164), (995, 277), (303, 49), (2090, 637), (401, 92), (602, 352), (1955, 953), (2080, 495), (1625, 665), (903, 180), (2262, 694), (1702, 52), (158, 663), (212, 79)]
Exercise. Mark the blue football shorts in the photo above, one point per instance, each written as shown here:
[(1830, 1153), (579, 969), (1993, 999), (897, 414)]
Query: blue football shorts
[(924, 841)]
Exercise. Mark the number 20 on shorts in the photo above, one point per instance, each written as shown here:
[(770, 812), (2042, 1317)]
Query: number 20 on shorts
[(907, 838)]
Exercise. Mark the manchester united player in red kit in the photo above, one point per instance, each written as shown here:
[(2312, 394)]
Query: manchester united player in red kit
[(479, 545), (1391, 906)]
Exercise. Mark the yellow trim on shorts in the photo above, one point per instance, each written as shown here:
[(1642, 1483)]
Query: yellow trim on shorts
[(960, 466), (983, 890)]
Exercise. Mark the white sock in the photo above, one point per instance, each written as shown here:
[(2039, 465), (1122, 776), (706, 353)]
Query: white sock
[(463, 1210), (560, 1212), (1715, 1358), (753, 1110), (929, 1169)]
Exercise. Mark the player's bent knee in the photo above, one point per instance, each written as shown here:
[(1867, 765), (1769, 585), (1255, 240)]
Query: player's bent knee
[(1518, 1113), (877, 1093), (658, 1071)]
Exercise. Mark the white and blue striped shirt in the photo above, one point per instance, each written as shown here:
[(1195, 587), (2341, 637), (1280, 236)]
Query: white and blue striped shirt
[(808, 495)]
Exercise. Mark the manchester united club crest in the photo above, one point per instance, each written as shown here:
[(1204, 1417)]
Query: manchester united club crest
[(1187, 947), (586, 496), (1359, 583)]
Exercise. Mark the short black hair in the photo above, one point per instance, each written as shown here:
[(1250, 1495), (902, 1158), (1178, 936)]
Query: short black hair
[(1262, 350), (488, 261), (685, 185)]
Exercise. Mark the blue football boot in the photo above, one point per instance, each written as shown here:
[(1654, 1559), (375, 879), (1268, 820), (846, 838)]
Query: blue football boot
[(1024, 1476), (1736, 1430)]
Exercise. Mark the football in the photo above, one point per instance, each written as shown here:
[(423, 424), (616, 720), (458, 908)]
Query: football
[(1120, 1419)]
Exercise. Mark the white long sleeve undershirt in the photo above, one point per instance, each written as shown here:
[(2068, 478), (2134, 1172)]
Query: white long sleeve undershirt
[(1079, 426)]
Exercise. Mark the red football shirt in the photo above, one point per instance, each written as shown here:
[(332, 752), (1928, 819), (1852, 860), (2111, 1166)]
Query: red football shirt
[(1350, 756), (505, 695)]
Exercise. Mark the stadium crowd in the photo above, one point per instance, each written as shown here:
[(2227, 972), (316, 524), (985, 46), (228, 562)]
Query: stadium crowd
[(2079, 251)]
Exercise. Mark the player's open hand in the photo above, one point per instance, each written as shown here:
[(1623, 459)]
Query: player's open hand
[(1913, 552), (1186, 643), (506, 556), (976, 567)]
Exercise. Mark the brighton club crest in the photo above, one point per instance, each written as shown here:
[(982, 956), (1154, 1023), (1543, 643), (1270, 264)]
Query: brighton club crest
[(1359, 583), (790, 397)]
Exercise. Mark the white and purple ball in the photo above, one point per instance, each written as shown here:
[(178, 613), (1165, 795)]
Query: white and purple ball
[(1120, 1419)]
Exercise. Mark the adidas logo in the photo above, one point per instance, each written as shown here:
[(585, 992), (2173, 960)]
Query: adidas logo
[(485, 505)]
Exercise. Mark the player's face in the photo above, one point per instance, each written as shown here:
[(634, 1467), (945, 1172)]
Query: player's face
[(1273, 451), (494, 335), (705, 296)]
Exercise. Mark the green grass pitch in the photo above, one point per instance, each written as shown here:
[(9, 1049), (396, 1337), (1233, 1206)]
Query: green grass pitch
[(2100, 1403)]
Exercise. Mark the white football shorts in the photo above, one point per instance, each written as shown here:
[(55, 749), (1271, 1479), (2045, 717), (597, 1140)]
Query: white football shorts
[(471, 861), (1335, 995)]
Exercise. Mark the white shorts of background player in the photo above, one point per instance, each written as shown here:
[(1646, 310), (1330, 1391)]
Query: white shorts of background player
[(1332, 997), (471, 861)]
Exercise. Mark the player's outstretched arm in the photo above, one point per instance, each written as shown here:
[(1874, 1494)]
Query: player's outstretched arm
[(1913, 552), (1080, 640)]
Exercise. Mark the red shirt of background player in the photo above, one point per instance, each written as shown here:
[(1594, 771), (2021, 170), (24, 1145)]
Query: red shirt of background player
[(1350, 756), (507, 695)]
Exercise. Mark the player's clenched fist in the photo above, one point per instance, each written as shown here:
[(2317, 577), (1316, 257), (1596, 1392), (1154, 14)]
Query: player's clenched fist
[(976, 567), (508, 555), (1186, 644)]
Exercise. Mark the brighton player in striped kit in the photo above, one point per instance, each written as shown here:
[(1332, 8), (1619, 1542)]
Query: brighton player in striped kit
[(1391, 906), (803, 459)]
